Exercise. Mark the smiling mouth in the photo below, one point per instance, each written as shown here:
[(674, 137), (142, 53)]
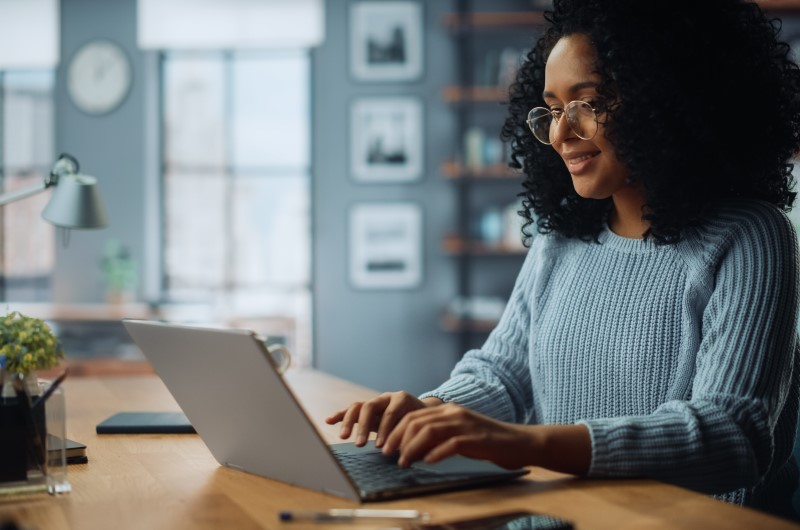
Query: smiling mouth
[(580, 159)]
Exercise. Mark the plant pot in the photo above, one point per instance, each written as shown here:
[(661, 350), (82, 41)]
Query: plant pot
[(23, 439), (32, 438)]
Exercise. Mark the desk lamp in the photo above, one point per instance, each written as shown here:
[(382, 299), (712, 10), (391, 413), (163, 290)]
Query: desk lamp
[(75, 202)]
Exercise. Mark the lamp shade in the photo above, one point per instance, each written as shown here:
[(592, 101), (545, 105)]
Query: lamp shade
[(76, 203)]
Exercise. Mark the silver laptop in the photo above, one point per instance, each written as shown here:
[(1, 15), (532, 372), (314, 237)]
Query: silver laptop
[(250, 420)]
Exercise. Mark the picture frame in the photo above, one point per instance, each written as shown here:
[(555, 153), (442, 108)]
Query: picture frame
[(386, 41), (386, 139), (385, 245)]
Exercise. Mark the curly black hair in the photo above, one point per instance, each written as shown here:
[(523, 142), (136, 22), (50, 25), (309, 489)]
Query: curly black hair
[(705, 105)]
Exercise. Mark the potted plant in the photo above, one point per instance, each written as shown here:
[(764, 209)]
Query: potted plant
[(27, 344), (119, 272)]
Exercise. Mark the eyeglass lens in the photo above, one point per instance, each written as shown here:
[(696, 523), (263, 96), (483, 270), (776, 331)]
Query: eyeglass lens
[(580, 116)]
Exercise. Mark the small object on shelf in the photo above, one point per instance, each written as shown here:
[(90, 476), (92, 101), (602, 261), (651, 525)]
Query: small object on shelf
[(481, 150), (492, 151), (510, 60), (512, 229), (473, 148), (476, 313), (491, 226)]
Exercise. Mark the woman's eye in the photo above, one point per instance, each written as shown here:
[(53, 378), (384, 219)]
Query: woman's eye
[(595, 103)]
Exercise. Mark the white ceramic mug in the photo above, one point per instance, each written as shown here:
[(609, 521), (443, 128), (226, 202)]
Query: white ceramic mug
[(279, 354)]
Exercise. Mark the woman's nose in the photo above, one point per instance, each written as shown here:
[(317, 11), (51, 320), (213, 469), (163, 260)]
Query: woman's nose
[(560, 130)]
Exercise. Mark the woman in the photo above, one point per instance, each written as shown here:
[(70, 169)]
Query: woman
[(652, 329)]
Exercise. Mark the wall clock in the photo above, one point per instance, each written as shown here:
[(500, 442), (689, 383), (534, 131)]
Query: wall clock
[(99, 77)]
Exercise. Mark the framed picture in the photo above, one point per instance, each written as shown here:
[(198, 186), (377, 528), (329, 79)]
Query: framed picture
[(386, 41), (386, 245), (386, 139)]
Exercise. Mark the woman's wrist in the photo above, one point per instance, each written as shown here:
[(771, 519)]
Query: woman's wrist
[(563, 448), (432, 401)]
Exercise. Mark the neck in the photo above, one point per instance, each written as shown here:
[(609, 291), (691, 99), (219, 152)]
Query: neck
[(626, 219)]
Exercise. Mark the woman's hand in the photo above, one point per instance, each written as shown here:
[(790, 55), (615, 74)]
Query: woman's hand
[(431, 431), (379, 415), (434, 434)]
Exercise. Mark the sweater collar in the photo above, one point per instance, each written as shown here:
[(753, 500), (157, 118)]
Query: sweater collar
[(625, 244)]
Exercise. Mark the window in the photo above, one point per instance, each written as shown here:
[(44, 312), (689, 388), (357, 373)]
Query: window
[(236, 192), (27, 250)]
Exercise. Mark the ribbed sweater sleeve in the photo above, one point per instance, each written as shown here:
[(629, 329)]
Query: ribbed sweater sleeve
[(722, 437)]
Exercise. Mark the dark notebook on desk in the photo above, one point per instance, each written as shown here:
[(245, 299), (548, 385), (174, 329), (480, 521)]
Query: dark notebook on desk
[(250, 420), (74, 452), (146, 423)]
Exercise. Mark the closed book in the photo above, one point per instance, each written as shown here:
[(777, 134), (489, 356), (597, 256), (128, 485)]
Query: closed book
[(75, 452), (146, 423)]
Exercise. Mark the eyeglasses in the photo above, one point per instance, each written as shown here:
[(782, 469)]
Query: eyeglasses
[(581, 117)]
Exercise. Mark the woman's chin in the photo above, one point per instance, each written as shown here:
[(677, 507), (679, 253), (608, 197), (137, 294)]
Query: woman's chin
[(588, 190)]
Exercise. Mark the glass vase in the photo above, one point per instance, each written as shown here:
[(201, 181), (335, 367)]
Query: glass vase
[(32, 438)]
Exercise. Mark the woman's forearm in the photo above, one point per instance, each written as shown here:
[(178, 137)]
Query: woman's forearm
[(563, 448)]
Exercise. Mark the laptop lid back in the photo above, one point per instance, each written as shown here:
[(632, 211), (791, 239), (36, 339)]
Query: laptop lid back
[(240, 406)]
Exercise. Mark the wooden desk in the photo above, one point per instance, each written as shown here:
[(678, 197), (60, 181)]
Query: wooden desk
[(172, 482)]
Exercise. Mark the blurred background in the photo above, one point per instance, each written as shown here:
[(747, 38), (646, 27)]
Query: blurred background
[(327, 173)]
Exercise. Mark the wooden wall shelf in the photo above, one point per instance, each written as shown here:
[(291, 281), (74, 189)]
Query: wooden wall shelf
[(493, 20), (458, 246), (454, 324), (780, 5), (476, 94), (497, 172)]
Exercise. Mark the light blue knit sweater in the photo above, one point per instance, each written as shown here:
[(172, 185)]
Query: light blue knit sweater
[(680, 359)]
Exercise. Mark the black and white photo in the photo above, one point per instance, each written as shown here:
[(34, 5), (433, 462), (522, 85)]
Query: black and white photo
[(386, 139), (386, 41), (386, 245)]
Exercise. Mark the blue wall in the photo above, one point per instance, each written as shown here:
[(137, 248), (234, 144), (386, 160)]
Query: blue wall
[(109, 147), (387, 340)]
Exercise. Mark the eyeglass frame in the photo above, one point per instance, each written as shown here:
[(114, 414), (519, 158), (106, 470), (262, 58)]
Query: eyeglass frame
[(555, 119)]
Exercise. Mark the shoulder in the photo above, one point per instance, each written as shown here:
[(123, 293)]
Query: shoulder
[(546, 249), (752, 215), (756, 231), (554, 243)]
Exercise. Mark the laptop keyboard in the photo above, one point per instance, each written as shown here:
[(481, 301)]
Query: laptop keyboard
[(375, 471)]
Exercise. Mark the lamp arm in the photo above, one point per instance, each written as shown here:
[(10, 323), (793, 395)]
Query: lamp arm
[(65, 165), (12, 196)]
